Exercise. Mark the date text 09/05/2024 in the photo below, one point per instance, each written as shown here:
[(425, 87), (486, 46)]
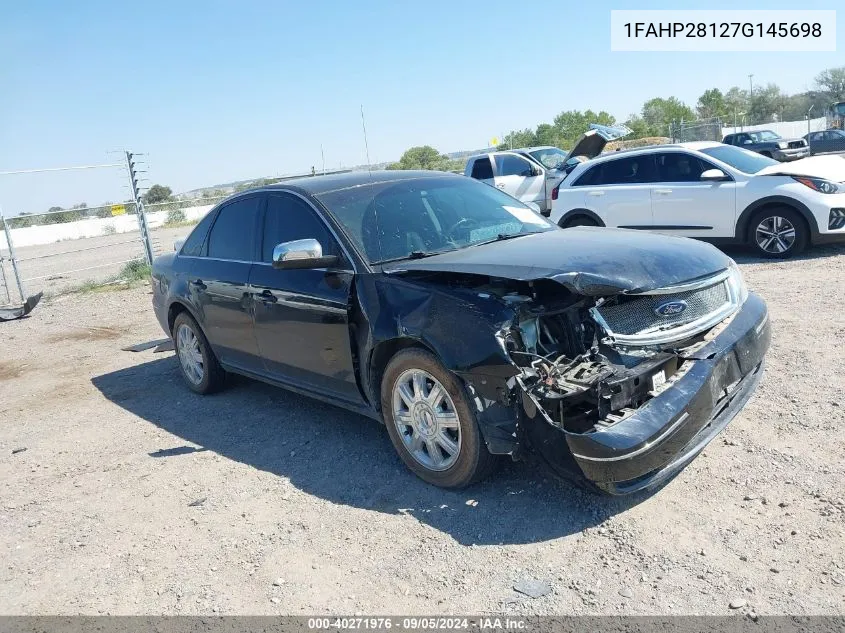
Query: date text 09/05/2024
[(723, 29)]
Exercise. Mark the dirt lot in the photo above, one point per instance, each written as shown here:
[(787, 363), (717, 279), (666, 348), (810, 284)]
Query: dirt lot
[(123, 493)]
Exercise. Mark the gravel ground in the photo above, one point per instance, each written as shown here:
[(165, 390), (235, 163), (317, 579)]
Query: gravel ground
[(123, 493)]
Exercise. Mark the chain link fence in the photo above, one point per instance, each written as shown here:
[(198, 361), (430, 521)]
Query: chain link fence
[(698, 130), (71, 249)]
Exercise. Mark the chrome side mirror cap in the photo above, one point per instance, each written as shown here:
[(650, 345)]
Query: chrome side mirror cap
[(307, 253)]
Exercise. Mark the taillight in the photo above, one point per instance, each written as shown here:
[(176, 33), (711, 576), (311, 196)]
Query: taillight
[(555, 192)]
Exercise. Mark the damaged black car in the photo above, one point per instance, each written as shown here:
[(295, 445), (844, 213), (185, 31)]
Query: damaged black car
[(469, 324)]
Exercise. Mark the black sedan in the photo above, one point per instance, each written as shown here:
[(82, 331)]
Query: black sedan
[(826, 141), (470, 325)]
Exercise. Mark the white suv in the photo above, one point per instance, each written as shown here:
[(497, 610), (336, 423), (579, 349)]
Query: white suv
[(711, 191)]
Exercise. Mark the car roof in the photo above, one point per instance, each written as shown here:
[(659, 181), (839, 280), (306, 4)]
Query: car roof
[(538, 147), (316, 185)]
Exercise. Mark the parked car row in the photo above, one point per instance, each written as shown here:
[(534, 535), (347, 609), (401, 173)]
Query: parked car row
[(718, 192)]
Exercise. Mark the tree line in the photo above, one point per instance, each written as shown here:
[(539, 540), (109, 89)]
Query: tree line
[(762, 104)]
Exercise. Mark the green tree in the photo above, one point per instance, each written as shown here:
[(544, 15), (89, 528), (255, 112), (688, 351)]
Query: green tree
[(422, 157), (831, 83), (711, 104), (660, 113), (158, 193)]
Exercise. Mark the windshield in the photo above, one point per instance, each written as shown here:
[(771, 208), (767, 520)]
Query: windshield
[(738, 158), (764, 135), (423, 216), (550, 157)]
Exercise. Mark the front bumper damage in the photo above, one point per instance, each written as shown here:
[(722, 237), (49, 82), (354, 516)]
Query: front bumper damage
[(652, 444)]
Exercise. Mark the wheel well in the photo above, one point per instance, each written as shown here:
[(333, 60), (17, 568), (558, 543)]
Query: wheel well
[(766, 152), (769, 206), (174, 311), (380, 357), (579, 213)]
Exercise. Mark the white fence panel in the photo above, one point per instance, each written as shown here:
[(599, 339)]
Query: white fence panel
[(787, 129), (91, 227)]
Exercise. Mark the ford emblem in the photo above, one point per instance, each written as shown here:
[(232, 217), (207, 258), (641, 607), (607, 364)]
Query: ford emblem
[(670, 308)]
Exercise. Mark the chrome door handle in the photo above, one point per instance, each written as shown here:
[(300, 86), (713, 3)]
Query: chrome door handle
[(663, 192)]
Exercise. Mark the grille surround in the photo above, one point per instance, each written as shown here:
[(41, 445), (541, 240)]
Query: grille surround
[(634, 321)]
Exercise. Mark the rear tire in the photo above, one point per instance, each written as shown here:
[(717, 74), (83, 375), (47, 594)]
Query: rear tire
[(430, 421), (579, 220), (197, 362), (778, 233)]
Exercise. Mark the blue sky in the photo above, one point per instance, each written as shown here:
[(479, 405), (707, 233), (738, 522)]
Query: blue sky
[(220, 91)]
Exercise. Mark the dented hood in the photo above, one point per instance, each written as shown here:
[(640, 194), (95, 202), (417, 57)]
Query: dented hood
[(828, 167), (588, 260)]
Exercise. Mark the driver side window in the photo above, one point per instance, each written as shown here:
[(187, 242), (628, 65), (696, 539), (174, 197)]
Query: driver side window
[(289, 217), (509, 165)]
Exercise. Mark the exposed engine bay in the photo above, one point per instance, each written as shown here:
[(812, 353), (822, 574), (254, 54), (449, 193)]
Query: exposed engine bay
[(572, 371)]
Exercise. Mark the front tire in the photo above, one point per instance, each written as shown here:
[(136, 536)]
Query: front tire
[(197, 362), (430, 422), (778, 233)]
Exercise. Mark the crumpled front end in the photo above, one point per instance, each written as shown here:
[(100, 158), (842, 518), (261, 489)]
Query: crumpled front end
[(624, 390)]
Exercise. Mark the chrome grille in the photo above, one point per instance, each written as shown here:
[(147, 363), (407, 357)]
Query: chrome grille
[(638, 315)]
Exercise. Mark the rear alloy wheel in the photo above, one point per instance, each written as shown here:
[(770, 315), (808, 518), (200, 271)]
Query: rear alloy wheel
[(430, 423), (778, 233), (199, 366)]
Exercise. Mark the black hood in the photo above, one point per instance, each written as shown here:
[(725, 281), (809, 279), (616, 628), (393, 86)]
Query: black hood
[(588, 260)]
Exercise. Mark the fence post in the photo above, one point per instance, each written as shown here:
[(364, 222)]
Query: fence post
[(5, 282), (139, 208), (11, 248)]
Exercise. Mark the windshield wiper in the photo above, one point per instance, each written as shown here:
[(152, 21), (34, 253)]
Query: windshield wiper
[(411, 255), (500, 237)]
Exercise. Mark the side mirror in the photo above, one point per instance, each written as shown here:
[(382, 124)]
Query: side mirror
[(714, 175), (177, 245), (307, 253), (536, 171), (748, 141)]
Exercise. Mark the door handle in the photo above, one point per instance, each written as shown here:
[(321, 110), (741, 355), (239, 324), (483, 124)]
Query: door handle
[(595, 194), (267, 297), (198, 283), (663, 192), (500, 186)]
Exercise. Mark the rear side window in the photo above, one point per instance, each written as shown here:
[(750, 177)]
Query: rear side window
[(509, 165), (193, 245), (233, 233), (289, 218), (680, 167), (633, 170), (482, 169)]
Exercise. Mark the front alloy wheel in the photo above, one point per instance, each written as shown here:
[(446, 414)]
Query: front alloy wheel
[(778, 232), (432, 422), (775, 235), (426, 420)]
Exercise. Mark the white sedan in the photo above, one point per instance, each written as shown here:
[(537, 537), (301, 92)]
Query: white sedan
[(710, 191)]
